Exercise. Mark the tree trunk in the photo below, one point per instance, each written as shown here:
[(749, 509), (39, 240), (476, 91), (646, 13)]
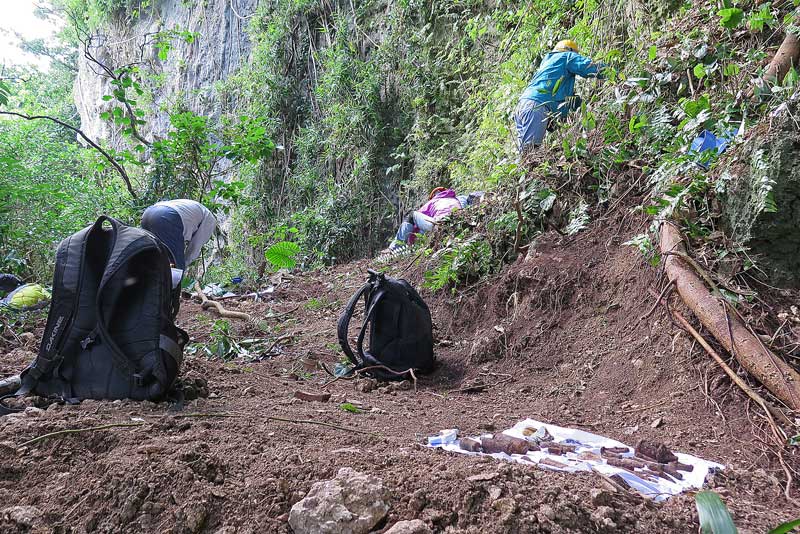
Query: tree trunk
[(775, 374)]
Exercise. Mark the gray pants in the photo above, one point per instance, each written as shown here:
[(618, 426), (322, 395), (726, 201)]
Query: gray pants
[(531, 120)]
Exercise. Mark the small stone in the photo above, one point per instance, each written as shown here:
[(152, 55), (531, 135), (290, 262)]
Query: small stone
[(495, 493), (506, 506), (195, 517), (657, 423), (545, 513), (32, 411), (483, 477), (366, 385), (601, 497), (418, 500), (415, 526), (403, 385), (312, 397), (26, 516)]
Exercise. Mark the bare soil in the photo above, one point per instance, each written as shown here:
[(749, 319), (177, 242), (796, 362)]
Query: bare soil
[(557, 336)]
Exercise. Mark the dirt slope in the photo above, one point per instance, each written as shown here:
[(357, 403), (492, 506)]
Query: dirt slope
[(559, 329)]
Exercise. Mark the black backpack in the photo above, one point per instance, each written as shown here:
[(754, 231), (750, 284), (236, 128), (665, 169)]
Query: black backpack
[(110, 332), (400, 328)]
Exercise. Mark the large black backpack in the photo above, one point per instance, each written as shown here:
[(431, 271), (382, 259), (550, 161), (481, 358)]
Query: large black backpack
[(400, 328), (110, 332)]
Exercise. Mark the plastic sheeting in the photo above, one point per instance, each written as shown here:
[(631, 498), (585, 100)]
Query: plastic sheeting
[(656, 488)]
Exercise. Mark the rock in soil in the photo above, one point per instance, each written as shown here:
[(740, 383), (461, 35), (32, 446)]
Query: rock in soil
[(415, 526), (24, 516), (351, 503), (487, 346)]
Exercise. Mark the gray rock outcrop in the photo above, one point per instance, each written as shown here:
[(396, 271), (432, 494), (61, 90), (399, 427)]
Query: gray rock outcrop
[(762, 196)]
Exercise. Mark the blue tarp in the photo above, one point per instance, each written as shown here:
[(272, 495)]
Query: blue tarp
[(708, 141)]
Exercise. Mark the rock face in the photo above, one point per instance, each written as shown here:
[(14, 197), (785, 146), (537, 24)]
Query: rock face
[(351, 503), (762, 197), (189, 73)]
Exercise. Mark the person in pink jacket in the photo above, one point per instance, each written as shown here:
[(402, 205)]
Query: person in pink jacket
[(440, 204)]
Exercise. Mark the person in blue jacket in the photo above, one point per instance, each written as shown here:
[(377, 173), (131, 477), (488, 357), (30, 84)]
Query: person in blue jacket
[(551, 92)]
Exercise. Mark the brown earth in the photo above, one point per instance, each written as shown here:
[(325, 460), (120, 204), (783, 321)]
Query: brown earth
[(556, 337)]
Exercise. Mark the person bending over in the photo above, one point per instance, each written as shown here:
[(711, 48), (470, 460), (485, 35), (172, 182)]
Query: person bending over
[(184, 226), (551, 92)]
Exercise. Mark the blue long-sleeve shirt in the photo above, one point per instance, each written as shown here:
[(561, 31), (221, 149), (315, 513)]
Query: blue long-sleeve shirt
[(555, 79)]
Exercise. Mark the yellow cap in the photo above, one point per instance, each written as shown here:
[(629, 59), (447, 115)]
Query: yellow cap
[(567, 45)]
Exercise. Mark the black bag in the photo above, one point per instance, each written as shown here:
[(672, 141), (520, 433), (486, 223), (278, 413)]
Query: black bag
[(400, 328), (110, 332)]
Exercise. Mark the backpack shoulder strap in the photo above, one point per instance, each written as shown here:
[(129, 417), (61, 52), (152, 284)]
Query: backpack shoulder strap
[(366, 358), (344, 322), (67, 280)]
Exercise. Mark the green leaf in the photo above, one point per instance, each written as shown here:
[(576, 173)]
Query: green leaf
[(785, 527), (730, 17), (731, 69), (700, 70), (652, 53), (714, 515), (349, 407), (281, 255)]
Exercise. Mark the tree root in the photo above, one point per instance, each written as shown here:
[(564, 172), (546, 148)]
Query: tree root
[(76, 431), (730, 330), (786, 56), (758, 399), (205, 303)]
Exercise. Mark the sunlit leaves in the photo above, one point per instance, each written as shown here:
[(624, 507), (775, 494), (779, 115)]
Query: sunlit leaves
[(730, 17)]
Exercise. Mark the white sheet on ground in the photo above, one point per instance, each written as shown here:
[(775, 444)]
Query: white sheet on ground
[(658, 489)]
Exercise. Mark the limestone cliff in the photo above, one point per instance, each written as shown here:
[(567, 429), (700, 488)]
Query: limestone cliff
[(188, 75)]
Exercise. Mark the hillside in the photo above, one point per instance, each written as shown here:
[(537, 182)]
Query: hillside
[(310, 129)]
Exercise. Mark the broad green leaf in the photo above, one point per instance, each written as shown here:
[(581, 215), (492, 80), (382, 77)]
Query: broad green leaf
[(281, 255), (730, 17), (714, 515), (700, 71), (785, 528), (652, 53)]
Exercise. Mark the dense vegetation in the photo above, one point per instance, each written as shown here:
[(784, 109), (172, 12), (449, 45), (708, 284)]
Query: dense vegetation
[(349, 112)]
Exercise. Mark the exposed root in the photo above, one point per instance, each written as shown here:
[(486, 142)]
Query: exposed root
[(76, 431), (206, 303)]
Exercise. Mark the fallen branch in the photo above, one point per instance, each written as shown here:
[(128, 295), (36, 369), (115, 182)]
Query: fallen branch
[(321, 423), (76, 431), (730, 331), (283, 419), (758, 399), (205, 303)]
